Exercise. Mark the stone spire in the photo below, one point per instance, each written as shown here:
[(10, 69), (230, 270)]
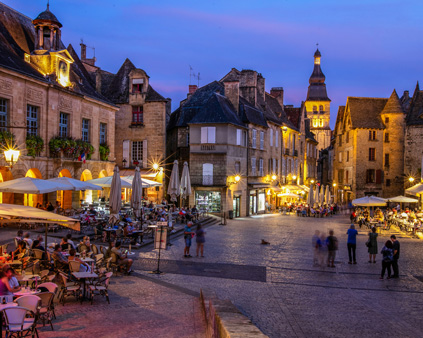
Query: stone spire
[(317, 87), (393, 105)]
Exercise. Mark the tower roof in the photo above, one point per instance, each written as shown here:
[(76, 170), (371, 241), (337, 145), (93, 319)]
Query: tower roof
[(317, 87), (47, 16), (393, 106)]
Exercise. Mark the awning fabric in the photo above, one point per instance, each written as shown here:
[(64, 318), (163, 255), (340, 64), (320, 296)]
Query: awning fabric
[(34, 215), (402, 199), (29, 185), (370, 201), (106, 182), (415, 190)]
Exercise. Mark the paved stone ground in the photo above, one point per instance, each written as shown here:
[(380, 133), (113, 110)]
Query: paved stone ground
[(298, 299)]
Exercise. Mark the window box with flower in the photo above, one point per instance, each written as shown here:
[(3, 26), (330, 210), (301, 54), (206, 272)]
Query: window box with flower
[(34, 145)]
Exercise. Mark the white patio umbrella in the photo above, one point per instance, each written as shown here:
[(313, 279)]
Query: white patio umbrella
[(415, 189), (185, 182), (74, 184), (402, 199), (174, 184), (289, 194), (115, 199), (145, 182), (29, 185), (369, 201), (106, 182), (316, 195), (310, 196), (327, 195), (136, 192), (322, 195)]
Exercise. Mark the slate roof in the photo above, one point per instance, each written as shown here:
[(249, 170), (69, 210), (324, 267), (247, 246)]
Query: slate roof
[(251, 114), (17, 38), (294, 115), (47, 16), (365, 112), (393, 106), (415, 113), (317, 88)]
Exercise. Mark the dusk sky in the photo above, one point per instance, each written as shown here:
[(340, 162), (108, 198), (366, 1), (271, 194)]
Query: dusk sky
[(369, 47)]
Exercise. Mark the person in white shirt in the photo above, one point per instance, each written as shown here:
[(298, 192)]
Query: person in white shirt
[(28, 240)]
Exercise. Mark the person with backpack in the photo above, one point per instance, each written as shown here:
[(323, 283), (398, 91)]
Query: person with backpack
[(332, 245)]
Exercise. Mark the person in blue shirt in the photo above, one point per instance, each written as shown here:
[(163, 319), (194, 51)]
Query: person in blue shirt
[(352, 244), (188, 234)]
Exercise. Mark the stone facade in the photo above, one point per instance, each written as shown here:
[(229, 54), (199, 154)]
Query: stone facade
[(48, 96)]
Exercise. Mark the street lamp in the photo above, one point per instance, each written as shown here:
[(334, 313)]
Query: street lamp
[(156, 166), (274, 177), (312, 181), (334, 185), (11, 156), (236, 179), (411, 179), (124, 162)]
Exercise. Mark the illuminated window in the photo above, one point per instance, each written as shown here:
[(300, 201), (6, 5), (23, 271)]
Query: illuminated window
[(137, 151), (315, 123), (321, 122), (317, 60)]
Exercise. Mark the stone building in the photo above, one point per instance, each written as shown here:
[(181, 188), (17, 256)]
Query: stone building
[(232, 129), (317, 105), (368, 148), (47, 99), (140, 129)]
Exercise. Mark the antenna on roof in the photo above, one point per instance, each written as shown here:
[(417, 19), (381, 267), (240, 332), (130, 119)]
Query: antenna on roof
[(317, 45), (191, 74), (48, 5), (198, 79)]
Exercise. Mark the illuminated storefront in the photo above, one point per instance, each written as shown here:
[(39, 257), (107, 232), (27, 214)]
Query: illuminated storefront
[(208, 200)]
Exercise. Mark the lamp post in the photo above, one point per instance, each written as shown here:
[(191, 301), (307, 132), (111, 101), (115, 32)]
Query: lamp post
[(11, 156)]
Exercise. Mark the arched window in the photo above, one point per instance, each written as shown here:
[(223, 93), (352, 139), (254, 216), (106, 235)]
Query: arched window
[(207, 174), (321, 108), (315, 109), (321, 122), (315, 123)]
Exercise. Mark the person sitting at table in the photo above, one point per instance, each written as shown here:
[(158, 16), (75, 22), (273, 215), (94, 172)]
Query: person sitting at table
[(27, 239), (21, 250), (65, 244), (122, 259), (37, 245), (70, 241), (85, 244), (19, 236), (13, 281), (84, 266), (5, 287), (93, 212), (127, 219), (50, 207), (59, 258)]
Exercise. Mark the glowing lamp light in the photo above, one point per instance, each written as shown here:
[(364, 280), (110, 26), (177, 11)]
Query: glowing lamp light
[(156, 166), (237, 178), (11, 156), (274, 177), (294, 177), (334, 185), (268, 192), (411, 179), (284, 128), (312, 181)]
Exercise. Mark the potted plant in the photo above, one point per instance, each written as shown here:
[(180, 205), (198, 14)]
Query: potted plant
[(56, 146), (34, 145), (104, 151), (7, 138)]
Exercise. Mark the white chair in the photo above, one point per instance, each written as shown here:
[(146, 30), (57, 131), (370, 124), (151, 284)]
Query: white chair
[(30, 302), (17, 324)]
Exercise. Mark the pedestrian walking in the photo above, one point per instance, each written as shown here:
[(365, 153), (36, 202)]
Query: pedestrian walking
[(315, 245), (200, 239), (323, 249), (372, 245), (388, 256), (332, 244), (352, 244), (396, 248), (188, 234)]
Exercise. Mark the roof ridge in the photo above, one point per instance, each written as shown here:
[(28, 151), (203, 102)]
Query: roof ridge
[(16, 11)]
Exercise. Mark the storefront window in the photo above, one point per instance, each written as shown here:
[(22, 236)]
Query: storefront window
[(209, 200), (261, 201)]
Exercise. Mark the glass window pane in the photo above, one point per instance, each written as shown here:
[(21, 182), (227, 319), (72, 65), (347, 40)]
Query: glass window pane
[(3, 114)]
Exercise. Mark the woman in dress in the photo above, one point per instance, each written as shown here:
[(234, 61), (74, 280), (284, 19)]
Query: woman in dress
[(372, 245)]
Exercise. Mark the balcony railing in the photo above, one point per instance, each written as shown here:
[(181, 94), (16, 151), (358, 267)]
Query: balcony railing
[(207, 147)]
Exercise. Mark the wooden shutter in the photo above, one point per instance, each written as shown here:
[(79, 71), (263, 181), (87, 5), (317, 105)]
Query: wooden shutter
[(204, 134), (125, 152), (271, 137), (238, 137), (144, 154), (253, 166), (378, 176), (211, 135)]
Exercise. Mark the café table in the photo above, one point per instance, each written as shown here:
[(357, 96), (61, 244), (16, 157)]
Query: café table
[(83, 276), (26, 278), (87, 260), (26, 292), (108, 232), (3, 307)]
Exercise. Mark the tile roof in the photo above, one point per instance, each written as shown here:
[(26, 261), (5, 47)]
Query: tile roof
[(294, 115), (251, 114), (365, 112), (393, 106), (415, 113)]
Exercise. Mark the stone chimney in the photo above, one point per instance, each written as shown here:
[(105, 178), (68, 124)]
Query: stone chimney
[(261, 91), (406, 94), (277, 93), (232, 93), (248, 86), (83, 51), (192, 89)]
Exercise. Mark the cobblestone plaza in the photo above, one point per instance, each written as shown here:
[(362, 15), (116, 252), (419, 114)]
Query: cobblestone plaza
[(296, 299)]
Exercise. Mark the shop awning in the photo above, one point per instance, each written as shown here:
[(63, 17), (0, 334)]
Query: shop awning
[(259, 185), (369, 201), (402, 199), (415, 190)]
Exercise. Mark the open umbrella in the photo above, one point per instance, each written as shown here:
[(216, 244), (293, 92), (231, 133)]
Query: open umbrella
[(415, 189), (145, 182), (369, 201), (316, 195), (185, 182), (136, 192), (402, 199), (106, 182), (174, 184), (327, 195), (115, 199), (29, 185), (74, 184)]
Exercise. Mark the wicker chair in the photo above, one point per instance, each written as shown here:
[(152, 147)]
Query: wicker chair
[(46, 312), (101, 287), (17, 323)]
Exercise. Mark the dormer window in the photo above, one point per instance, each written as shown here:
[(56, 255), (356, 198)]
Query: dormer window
[(137, 85)]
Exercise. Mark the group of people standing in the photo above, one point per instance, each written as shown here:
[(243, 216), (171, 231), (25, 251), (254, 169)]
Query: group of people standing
[(324, 250)]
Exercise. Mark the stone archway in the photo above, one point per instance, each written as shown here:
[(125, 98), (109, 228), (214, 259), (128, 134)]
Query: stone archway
[(32, 199), (65, 196), (86, 195)]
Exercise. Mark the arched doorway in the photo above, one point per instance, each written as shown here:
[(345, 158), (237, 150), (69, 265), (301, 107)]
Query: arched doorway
[(86, 195), (30, 199), (65, 196), (6, 175), (102, 193)]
